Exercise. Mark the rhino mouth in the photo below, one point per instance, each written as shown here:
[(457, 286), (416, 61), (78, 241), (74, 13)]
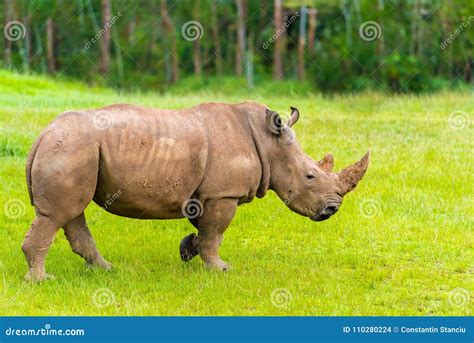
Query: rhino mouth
[(326, 212), (319, 217)]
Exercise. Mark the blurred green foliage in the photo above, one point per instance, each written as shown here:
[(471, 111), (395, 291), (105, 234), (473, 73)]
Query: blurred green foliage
[(410, 51)]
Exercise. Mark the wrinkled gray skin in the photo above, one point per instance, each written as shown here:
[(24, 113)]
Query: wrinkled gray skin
[(147, 163)]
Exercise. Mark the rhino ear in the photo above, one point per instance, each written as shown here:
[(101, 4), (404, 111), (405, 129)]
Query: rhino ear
[(274, 122), (327, 163), (295, 115)]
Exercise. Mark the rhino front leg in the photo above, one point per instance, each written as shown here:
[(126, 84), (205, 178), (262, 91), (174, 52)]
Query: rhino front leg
[(211, 225), (189, 247)]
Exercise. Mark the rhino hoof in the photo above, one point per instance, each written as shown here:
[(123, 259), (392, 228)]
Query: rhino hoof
[(188, 247), (36, 278), (100, 265), (219, 266)]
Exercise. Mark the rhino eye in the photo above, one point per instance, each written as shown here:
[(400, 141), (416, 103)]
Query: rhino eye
[(310, 176)]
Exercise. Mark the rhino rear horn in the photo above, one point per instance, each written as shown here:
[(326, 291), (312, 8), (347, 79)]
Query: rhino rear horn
[(327, 163), (350, 176)]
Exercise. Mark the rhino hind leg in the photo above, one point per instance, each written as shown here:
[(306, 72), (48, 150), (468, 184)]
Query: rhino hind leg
[(62, 185), (36, 245), (82, 242), (212, 224)]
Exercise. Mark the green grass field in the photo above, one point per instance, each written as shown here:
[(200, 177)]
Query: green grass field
[(401, 244)]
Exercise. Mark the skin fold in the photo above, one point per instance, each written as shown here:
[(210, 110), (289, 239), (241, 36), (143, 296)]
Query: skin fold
[(145, 163)]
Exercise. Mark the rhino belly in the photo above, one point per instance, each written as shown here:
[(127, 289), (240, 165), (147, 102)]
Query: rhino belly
[(149, 177)]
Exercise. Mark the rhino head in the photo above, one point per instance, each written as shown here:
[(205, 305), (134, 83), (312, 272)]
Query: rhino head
[(307, 187)]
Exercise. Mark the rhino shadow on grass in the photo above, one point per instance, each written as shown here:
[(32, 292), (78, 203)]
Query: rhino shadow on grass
[(157, 166)]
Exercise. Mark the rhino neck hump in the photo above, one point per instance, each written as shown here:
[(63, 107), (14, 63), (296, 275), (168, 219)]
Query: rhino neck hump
[(264, 160)]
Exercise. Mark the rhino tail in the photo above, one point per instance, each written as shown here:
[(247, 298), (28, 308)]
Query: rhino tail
[(29, 163)]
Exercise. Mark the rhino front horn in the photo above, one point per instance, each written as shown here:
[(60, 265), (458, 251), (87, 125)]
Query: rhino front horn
[(350, 176)]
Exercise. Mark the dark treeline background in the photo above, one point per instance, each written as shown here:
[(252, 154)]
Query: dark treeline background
[(141, 44)]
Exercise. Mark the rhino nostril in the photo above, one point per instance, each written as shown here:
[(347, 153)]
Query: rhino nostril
[(330, 210)]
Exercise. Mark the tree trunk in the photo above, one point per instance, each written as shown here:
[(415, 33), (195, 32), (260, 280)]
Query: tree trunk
[(216, 39), (50, 46), (468, 70), (7, 54), (197, 60), (104, 63), (171, 34), (153, 38), (312, 16), (27, 39), (414, 28), (249, 61), (130, 29), (302, 44), (380, 40), (262, 18), (279, 43), (240, 50)]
